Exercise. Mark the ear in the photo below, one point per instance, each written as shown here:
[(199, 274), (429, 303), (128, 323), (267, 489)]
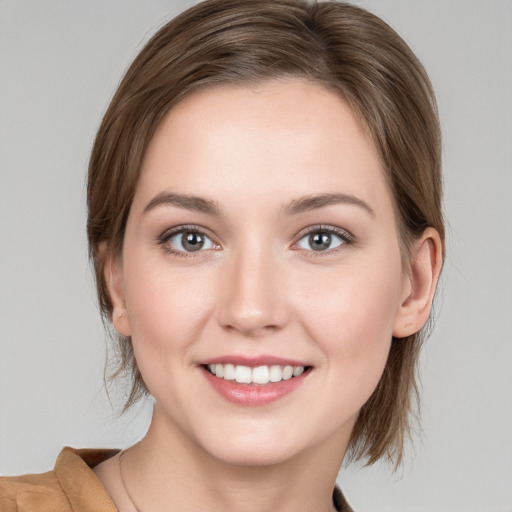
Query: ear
[(420, 285), (114, 279)]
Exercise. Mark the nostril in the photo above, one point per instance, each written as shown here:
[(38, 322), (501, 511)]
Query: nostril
[(253, 329)]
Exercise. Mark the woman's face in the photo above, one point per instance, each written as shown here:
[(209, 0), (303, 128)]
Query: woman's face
[(262, 236)]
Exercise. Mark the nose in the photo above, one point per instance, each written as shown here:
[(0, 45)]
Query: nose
[(253, 299)]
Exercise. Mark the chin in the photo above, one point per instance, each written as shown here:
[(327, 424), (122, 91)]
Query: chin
[(252, 456), (253, 450)]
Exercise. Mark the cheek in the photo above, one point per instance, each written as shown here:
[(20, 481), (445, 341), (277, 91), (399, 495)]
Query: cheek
[(351, 320), (167, 308), (168, 311), (352, 300)]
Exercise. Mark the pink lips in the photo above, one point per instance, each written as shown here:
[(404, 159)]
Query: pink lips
[(252, 394)]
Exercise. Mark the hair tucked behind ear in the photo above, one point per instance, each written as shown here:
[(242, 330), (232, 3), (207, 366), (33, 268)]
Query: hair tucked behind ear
[(337, 45)]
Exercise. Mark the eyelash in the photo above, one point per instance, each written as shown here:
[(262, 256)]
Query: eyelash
[(345, 237), (167, 235)]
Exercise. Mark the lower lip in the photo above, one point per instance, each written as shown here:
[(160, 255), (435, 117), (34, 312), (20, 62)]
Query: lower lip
[(253, 395)]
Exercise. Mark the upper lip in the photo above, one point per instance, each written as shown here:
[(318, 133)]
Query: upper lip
[(253, 361)]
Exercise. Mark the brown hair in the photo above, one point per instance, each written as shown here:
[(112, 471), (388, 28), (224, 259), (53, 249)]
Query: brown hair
[(337, 45)]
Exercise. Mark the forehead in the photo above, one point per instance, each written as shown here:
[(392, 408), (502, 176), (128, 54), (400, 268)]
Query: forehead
[(288, 135)]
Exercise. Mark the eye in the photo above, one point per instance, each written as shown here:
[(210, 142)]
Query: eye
[(323, 239), (187, 241)]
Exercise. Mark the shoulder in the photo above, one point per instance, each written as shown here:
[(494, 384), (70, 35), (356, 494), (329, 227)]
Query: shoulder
[(29, 493), (71, 486)]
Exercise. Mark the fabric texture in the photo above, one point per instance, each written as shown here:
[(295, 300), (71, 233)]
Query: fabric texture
[(73, 487), (70, 487)]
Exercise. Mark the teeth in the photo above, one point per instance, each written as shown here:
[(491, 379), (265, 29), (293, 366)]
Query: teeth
[(229, 371), (287, 372), (243, 374), (276, 374), (298, 370), (258, 375)]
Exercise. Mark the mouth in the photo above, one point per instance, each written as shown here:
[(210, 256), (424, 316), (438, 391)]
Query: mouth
[(256, 380), (256, 376)]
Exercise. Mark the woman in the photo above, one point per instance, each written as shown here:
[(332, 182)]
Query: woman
[(265, 224)]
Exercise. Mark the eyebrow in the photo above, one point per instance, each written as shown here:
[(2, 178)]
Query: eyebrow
[(300, 205), (187, 202), (312, 202)]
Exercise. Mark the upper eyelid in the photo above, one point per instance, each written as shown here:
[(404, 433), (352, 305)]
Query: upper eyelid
[(176, 230), (328, 228)]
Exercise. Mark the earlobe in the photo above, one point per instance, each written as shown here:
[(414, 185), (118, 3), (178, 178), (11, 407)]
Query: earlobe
[(420, 285), (121, 322), (113, 270)]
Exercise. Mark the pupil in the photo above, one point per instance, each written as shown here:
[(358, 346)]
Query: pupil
[(192, 241), (320, 241)]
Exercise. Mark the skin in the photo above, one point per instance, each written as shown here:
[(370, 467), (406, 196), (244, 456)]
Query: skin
[(258, 288)]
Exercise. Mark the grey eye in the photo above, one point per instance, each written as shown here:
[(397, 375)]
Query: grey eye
[(190, 241), (320, 241)]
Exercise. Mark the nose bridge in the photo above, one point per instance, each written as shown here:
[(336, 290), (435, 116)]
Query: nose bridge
[(253, 295)]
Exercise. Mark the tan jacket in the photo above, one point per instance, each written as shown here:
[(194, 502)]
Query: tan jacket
[(70, 487), (73, 487)]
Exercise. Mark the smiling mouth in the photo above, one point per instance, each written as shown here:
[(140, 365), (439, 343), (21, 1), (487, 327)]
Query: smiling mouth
[(258, 375)]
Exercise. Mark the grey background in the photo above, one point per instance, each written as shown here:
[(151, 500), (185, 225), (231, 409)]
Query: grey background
[(59, 64)]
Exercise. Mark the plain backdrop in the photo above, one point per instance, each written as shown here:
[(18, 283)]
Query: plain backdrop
[(60, 61)]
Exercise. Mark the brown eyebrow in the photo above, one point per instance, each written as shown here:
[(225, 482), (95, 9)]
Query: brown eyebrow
[(187, 202), (308, 203), (295, 207)]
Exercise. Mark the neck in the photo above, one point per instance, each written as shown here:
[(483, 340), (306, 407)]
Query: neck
[(166, 472)]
